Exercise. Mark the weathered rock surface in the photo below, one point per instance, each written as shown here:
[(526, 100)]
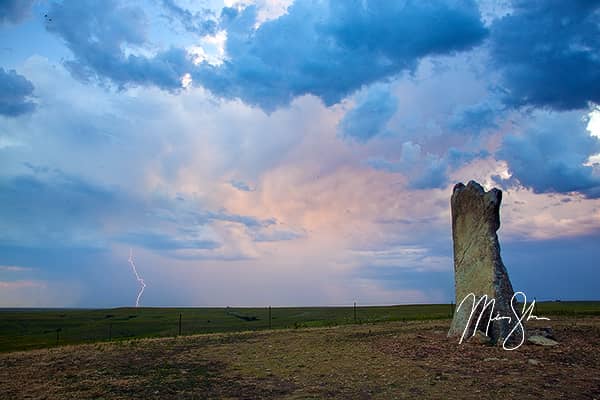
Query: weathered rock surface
[(478, 267), (480, 338), (541, 341), (546, 332)]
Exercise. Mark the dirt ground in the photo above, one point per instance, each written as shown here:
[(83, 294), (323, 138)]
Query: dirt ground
[(399, 360)]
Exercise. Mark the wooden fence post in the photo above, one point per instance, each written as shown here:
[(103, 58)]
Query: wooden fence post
[(270, 324)]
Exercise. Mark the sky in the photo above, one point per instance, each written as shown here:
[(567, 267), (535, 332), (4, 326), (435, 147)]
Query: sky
[(292, 153)]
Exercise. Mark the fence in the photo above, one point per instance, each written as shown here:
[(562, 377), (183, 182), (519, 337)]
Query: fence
[(43, 328)]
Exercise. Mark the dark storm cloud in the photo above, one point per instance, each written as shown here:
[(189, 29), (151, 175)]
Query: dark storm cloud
[(53, 211), (550, 156), (425, 170), (240, 185), (566, 258), (370, 115), (408, 277), (249, 222), (161, 241), (97, 33), (201, 23), (547, 53), (475, 118), (14, 11), (15, 94), (331, 49), (276, 235)]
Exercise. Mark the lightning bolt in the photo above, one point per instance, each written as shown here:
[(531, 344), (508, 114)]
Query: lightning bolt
[(138, 277)]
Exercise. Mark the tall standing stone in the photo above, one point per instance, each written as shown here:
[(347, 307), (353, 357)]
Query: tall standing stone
[(478, 268)]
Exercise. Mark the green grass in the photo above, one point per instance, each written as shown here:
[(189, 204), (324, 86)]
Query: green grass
[(27, 329), (568, 308)]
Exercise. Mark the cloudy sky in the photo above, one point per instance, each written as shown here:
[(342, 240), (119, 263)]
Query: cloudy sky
[(292, 152)]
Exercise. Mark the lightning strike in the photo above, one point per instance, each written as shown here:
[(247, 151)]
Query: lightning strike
[(138, 277)]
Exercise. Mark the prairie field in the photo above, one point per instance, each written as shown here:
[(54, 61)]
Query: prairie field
[(28, 328), (24, 329), (379, 360)]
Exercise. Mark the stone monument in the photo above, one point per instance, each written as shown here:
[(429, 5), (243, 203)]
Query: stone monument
[(478, 268)]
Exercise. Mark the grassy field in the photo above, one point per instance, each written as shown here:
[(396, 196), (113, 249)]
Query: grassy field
[(28, 329)]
